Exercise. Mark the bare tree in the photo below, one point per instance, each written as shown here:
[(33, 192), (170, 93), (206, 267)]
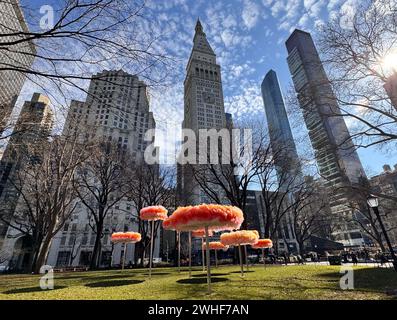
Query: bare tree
[(46, 196), (102, 183), (366, 220), (229, 180), (359, 56), (72, 39), (4, 256), (268, 167), (150, 186), (311, 214), (79, 35)]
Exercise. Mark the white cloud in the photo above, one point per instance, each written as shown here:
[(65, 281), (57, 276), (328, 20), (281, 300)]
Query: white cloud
[(347, 12), (251, 14)]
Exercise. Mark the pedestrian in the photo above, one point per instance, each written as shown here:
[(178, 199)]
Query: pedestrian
[(285, 258), (354, 258)]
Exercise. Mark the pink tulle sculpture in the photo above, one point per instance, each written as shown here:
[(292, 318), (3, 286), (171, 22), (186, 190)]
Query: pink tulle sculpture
[(216, 246), (154, 213), (201, 234), (263, 244), (242, 238), (126, 237), (215, 217)]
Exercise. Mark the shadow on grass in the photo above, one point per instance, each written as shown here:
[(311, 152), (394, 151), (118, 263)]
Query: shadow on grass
[(119, 276), (212, 274), (201, 280), (244, 271), (31, 290), (375, 280), (70, 277), (115, 283)]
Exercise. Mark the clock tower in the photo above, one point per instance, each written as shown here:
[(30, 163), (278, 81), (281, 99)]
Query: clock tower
[(204, 106)]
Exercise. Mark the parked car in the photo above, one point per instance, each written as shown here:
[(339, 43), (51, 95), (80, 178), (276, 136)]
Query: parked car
[(4, 269)]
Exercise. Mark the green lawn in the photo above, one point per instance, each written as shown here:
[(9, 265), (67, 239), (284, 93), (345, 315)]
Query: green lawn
[(292, 282)]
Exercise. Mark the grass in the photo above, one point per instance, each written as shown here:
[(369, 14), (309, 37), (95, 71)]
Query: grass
[(292, 282)]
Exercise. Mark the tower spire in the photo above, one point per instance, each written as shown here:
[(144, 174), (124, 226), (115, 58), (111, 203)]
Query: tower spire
[(200, 42), (199, 27)]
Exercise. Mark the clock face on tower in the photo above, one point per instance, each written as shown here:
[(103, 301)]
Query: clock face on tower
[(209, 98)]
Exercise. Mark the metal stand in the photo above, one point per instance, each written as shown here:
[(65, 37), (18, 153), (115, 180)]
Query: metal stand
[(202, 253), (151, 251), (246, 257), (125, 252), (208, 260), (190, 255), (241, 260), (179, 251)]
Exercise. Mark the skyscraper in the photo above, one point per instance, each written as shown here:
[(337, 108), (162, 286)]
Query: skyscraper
[(34, 125), (281, 139), (19, 55), (204, 105), (117, 109), (337, 159)]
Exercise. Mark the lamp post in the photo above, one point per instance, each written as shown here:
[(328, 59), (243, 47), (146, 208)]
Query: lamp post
[(373, 202)]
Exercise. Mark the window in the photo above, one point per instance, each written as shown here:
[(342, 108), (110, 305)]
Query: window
[(106, 258), (72, 240), (63, 258)]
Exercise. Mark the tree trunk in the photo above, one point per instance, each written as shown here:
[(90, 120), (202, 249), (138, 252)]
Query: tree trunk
[(301, 247), (42, 254), (33, 257), (37, 241), (96, 251)]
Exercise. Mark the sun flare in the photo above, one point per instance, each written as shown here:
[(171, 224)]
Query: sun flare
[(389, 62)]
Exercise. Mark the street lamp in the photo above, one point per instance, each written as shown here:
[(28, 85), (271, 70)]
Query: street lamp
[(373, 202)]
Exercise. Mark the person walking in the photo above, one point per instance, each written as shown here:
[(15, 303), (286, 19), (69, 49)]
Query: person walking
[(354, 258)]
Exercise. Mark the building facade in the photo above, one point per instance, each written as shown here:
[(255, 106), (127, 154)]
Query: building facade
[(116, 110), (32, 129), (203, 106), (282, 141), (386, 184), (338, 162), (19, 56)]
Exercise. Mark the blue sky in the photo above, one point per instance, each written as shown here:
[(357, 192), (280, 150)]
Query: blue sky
[(248, 36)]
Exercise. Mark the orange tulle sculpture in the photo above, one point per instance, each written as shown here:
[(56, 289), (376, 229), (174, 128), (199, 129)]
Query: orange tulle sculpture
[(263, 244), (207, 217), (213, 216), (240, 238), (201, 234), (154, 213), (216, 246), (126, 237)]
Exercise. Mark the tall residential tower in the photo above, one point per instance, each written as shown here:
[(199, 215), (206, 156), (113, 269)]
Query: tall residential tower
[(32, 129), (281, 139), (337, 159), (17, 56)]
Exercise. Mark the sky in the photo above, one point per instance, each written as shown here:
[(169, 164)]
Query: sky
[(248, 37)]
